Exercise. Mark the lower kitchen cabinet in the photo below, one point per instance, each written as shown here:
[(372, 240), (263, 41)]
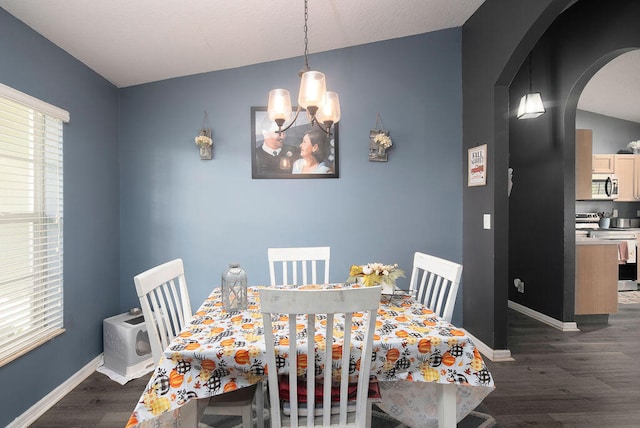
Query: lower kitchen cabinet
[(596, 279)]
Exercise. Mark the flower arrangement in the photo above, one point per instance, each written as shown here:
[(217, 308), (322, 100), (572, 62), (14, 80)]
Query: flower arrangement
[(383, 140), (203, 140), (634, 146), (375, 273)]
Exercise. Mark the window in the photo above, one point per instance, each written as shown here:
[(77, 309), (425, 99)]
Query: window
[(31, 252)]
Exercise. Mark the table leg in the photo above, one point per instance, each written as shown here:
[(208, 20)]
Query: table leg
[(446, 398)]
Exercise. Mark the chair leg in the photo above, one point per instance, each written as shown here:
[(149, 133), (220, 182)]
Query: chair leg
[(247, 417), (260, 405)]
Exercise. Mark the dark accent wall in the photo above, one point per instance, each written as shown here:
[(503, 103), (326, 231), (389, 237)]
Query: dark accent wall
[(542, 208), (495, 42), (32, 64)]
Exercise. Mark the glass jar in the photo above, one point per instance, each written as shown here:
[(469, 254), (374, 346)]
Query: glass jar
[(234, 288)]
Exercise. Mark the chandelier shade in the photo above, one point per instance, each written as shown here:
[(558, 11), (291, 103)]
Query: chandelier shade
[(313, 89), (330, 110), (279, 107)]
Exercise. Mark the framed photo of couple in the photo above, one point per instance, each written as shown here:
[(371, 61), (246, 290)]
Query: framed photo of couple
[(302, 151)]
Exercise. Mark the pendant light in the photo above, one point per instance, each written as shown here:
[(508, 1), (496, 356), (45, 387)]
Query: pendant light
[(530, 104), (322, 106)]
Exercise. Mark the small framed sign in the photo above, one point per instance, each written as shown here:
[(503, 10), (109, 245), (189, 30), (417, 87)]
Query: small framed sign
[(477, 166)]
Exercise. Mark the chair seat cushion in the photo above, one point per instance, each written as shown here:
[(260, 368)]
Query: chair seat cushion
[(283, 386)]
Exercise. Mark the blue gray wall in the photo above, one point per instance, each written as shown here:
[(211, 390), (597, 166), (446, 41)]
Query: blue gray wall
[(137, 194), (609, 133), (211, 213), (31, 64)]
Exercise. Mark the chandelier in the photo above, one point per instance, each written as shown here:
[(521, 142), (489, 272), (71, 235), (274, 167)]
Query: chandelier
[(322, 106)]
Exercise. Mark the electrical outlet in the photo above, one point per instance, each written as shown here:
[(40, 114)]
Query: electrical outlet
[(637, 213), (615, 213)]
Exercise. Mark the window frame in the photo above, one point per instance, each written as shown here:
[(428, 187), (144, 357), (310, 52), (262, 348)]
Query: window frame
[(31, 168)]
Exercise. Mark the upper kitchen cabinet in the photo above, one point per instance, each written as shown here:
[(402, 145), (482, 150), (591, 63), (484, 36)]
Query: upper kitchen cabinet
[(584, 142), (627, 170), (603, 164)]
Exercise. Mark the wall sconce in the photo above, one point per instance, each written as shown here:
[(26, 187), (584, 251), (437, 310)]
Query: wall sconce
[(530, 104), (379, 142), (204, 140)]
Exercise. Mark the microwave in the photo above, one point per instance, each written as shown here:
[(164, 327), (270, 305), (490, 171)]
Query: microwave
[(604, 186)]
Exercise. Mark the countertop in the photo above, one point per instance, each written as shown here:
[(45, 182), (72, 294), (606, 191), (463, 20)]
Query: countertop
[(595, 241)]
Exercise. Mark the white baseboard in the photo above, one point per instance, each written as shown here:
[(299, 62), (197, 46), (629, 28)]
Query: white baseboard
[(560, 325), (49, 400), (495, 355)]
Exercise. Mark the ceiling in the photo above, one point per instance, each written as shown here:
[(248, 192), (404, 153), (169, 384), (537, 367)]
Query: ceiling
[(131, 42)]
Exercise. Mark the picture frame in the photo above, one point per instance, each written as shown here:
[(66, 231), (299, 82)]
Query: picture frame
[(477, 166), (287, 161)]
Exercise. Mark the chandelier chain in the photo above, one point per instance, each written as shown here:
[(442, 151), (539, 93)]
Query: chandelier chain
[(306, 39)]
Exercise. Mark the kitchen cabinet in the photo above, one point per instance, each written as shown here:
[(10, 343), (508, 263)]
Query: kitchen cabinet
[(596, 279), (627, 170), (603, 164), (584, 143)]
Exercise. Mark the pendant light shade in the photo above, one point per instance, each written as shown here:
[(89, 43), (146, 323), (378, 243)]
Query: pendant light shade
[(530, 106)]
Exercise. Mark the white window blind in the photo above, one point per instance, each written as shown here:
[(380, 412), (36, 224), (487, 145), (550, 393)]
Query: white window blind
[(31, 239)]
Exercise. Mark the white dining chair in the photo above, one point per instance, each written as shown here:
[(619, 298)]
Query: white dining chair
[(298, 265), (435, 282), (166, 308), (334, 309)]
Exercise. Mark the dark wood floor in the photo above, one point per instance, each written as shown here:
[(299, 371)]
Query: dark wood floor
[(580, 379)]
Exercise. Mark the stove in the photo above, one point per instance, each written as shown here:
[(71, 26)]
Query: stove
[(587, 225)]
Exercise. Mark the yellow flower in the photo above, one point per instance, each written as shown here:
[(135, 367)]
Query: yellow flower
[(355, 270)]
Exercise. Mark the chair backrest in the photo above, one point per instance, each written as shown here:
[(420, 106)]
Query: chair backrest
[(435, 282), (299, 265), (164, 300), (332, 309)]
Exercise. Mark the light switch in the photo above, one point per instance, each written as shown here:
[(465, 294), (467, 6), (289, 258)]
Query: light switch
[(486, 221)]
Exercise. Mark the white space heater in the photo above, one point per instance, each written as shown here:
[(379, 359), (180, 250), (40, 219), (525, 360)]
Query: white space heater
[(126, 344)]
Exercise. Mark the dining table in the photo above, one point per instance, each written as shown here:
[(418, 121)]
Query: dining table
[(429, 371)]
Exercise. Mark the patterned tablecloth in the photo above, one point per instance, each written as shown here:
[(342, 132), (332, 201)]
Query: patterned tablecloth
[(219, 351)]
